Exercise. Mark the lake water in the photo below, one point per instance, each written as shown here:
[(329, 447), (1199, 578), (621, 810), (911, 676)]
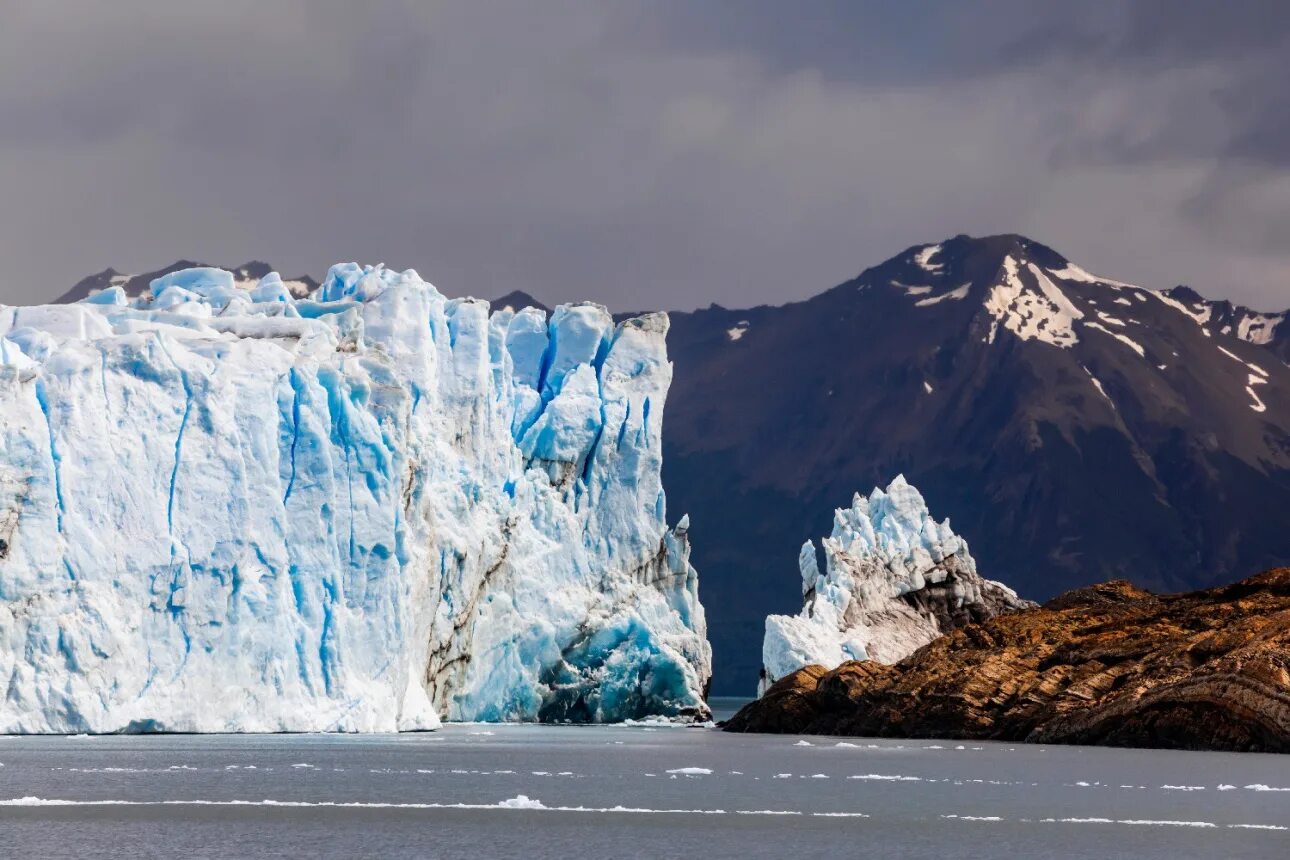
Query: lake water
[(477, 791)]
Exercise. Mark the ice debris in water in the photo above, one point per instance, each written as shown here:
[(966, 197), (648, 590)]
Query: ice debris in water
[(223, 508), (894, 580)]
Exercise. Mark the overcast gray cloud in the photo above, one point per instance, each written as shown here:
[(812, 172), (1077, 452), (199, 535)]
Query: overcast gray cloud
[(645, 154)]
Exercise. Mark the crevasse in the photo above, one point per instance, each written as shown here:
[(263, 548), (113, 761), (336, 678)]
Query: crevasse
[(361, 511)]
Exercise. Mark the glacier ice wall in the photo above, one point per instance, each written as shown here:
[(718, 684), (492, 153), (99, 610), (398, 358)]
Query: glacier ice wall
[(894, 580), (224, 509)]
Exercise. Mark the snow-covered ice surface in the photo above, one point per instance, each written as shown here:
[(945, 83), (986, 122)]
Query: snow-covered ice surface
[(558, 792), (894, 580), (223, 508)]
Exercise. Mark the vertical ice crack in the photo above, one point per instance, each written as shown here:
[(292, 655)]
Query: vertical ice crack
[(595, 440), (55, 460), (42, 399), (179, 442), (107, 401), (295, 432), (174, 472)]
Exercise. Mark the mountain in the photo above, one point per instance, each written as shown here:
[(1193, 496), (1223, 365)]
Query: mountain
[(1225, 318), (518, 300), (134, 285), (361, 513), (1074, 429)]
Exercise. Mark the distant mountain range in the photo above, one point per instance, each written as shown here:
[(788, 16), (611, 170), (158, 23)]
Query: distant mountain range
[(136, 284), (1074, 428)]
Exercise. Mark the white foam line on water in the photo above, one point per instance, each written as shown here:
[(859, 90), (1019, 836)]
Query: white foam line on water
[(1133, 822), (521, 802)]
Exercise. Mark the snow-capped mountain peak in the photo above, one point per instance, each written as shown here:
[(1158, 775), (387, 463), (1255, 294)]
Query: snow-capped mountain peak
[(1078, 427), (1036, 294)]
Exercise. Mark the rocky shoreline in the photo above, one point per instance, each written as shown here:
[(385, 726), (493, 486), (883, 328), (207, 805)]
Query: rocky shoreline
[(1110, 664)]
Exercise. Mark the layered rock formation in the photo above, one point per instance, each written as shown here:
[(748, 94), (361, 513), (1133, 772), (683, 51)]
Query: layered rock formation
[(894, 579), (1110, 664)]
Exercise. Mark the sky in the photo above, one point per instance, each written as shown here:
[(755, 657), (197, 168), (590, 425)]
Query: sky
[(643, 153)]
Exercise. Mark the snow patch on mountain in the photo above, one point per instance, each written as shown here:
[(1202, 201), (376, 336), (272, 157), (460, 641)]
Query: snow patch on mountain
[(923, 259), (1042, 312), (1257, 405), (1200, 315), (1259, 328), (956, 294), (1097, 383), (894, 580), (1072, 272), (231, 509), (910, 290), (1122, 338)]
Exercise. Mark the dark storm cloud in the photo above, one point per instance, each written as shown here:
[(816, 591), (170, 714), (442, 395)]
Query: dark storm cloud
[(643, 153)]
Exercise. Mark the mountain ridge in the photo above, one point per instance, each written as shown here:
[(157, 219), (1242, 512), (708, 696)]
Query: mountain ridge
[(1074, 428)]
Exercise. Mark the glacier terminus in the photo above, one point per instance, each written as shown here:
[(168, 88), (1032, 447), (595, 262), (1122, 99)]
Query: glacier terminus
[(227, 508)]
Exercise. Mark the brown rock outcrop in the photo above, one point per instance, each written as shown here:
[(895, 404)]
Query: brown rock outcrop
[(1110, 664)]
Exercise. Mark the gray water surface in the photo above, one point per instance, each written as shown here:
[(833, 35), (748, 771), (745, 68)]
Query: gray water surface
[(607, 792)]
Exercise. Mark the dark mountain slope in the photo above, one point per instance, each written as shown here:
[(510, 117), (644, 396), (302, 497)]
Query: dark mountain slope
[(1075, 430)]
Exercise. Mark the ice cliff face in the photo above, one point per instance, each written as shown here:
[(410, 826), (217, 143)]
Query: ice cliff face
[(224, 508), (894, 580)]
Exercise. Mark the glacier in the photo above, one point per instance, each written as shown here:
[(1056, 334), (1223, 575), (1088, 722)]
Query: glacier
[(894, 580), (227, 509)]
